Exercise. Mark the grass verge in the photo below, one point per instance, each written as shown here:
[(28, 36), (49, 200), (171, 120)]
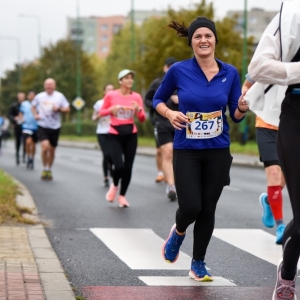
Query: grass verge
[(250, 148), (9, 210)]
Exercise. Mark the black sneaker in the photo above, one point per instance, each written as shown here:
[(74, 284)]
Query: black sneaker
[(106, 183), (171, 192), (30, 164)]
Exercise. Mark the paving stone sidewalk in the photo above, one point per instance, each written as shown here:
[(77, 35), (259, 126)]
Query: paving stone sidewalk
[(29, 267)]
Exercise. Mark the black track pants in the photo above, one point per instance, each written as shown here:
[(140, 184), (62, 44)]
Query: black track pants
[(288, 148), (200, 176), (106, 161), (122, 150)]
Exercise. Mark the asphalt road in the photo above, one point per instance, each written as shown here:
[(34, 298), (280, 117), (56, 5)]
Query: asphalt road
[(99, 244)]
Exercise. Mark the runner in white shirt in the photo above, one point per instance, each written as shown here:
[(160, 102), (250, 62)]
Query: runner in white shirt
[(46, 107), (276, 62), (102, 135)]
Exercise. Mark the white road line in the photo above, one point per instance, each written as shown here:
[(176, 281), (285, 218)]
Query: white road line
[(183, 281), (140, 249), (254, 241)]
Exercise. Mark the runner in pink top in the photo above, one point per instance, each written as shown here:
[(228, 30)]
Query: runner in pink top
[(122, 109), (122, 105)]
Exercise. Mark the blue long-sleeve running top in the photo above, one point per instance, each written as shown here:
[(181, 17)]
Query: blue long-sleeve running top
[(204, 102)]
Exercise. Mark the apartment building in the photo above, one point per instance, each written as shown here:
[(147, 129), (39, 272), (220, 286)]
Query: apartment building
[(257, 21), (96, 33)]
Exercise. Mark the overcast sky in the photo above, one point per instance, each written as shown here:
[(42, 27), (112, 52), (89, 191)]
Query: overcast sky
[(53, 19)]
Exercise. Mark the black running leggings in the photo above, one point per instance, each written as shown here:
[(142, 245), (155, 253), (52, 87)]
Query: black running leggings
[(122, 151), (106, 161), (288, 148), (200, 176), (18, 138)]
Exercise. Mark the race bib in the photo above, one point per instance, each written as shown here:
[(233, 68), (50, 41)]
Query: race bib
[(46, 108), (125, 113), (104, 121), (49, 117), (204, 125)]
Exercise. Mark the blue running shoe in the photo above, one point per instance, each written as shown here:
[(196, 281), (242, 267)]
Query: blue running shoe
[(170, 249), (199, 272), (267, 216), (279, 234)]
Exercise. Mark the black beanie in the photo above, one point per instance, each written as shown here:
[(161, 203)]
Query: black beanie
[(201, 22)]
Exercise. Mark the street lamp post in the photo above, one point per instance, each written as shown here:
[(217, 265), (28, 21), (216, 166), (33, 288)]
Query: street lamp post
[(132, 32), (78, 66), (245, 44), (38, 39), (17, 40), (243, 124), (77, 37), (132, 36)]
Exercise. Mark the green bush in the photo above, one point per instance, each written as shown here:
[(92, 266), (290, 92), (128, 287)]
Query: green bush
[(235, 128), (145, 129), (87, 128)]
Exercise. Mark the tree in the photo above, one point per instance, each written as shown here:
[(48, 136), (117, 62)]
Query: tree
[(120, 55), (58, 62), (155, 42)]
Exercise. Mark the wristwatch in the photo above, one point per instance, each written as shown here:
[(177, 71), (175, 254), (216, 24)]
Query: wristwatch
[(242, 111)]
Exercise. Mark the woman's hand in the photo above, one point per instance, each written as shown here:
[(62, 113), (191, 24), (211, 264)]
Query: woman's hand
[(114, 109), (176, 118), (136, 107), (242, 103)]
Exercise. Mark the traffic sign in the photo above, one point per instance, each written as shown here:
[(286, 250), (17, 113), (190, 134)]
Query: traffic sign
[(78, 103)]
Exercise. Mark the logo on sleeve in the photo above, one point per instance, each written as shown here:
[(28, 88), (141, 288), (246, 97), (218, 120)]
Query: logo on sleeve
[(224, 79)]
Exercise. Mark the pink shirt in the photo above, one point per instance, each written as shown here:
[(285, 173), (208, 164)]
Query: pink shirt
[(126, 112)]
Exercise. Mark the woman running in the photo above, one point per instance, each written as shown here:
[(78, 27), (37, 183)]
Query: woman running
[(122, 105), (102, 135), (201, 159)]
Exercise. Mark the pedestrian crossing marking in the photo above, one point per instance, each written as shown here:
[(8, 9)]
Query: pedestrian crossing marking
[(139, 248), (254, 241), (183, 281)]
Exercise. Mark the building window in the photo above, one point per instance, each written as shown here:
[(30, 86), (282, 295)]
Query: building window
[(104, 49), (104, 27), (117, 28), (104, 37)]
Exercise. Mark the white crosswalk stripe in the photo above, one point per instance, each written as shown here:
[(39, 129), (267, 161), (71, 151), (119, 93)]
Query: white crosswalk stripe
[(140, 250), (254, 241)]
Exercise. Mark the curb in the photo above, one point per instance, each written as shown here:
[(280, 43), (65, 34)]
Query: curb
[(54, 282), (238, 159)]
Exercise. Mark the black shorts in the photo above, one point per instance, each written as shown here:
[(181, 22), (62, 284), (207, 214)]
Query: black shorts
[(32, 134), (266, 142), (48, 134), (164, 134)]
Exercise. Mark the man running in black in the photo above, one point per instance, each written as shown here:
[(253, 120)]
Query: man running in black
[(164, 131), (16, 121)]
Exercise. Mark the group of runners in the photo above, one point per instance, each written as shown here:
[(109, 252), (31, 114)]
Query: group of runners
[(188, 107), (37, 118)]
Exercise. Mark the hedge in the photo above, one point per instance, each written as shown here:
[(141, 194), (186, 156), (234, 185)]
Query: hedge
[(145, 129)]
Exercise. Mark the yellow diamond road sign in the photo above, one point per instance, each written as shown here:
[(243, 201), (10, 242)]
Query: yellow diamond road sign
[(78, 103)]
